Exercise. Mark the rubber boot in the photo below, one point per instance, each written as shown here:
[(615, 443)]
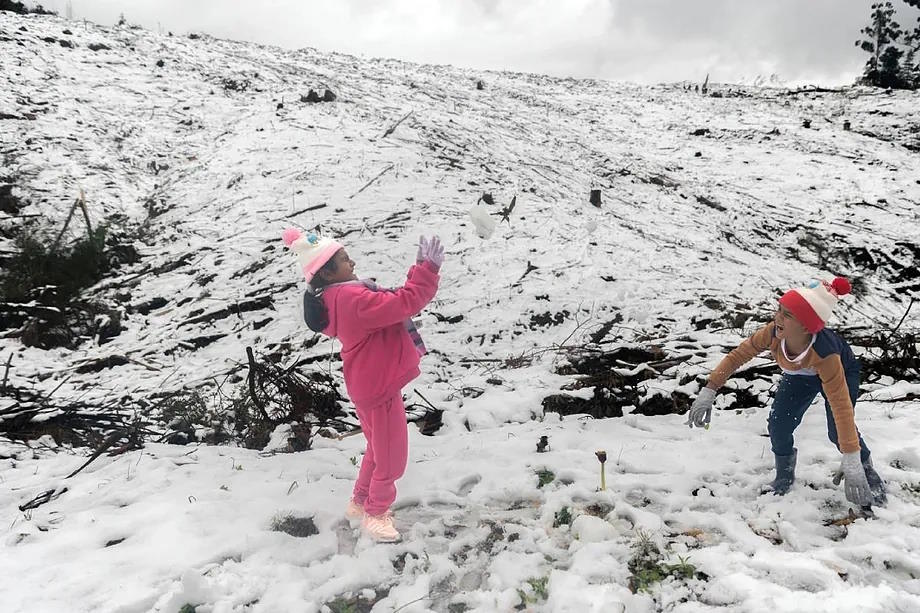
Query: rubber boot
[(785, 473), (876, 485)]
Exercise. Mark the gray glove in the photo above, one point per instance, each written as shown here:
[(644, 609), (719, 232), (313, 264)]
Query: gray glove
[(700, 412), (856, 486)]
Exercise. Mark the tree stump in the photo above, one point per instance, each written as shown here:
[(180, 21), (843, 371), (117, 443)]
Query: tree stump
[(595, 198)]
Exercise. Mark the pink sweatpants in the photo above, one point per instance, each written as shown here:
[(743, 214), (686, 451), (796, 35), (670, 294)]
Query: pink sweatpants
[(384, 462)]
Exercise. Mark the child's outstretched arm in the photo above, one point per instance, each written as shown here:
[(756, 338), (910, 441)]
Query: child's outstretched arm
[(376, 310), (381, 309), (739, 356), (701, 411)]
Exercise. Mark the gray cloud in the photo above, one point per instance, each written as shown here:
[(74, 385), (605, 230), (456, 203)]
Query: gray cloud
[(645, 41)]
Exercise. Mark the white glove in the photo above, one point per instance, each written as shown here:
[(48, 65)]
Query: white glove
[(700, 412), (856, 486), (422, 250), (430, 250)]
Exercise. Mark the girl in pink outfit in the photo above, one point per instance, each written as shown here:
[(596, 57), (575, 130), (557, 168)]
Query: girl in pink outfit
[(381, 350)]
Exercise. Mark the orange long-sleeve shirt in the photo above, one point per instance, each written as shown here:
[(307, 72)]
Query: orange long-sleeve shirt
[(829, 357)]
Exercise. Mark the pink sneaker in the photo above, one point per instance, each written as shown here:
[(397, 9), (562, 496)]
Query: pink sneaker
[(354, 512), (380, 528)]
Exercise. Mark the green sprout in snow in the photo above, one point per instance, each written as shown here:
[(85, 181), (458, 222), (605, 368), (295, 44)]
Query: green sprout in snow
[(545, 477), (563, 517), (534, 592)]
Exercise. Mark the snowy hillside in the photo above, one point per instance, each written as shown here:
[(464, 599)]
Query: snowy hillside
[(204, 150)]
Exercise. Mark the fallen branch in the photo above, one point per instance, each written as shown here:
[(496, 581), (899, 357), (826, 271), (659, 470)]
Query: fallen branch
[(368, 184), (341, 437), (912, 300), (63, 381), (108, 442), (392, 128), (6, 371), (530, 269), (283, 395), (812, 90), (57, 240), (252, 386), (41, 499), (306, 210), (425, 399), (22, 216), (82, 202)]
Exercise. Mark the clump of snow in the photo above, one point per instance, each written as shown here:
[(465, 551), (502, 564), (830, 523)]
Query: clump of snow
[(482, 221), (592, 529)]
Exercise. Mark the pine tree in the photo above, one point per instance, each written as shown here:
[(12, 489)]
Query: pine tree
[(891, 73), (911, 63), (880, 37), (19, 7)]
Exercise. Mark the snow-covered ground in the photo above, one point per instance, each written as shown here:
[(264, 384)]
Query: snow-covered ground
[(155, 529), (710, 205)]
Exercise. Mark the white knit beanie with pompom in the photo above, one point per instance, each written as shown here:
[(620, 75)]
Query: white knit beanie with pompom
[(311, 251)]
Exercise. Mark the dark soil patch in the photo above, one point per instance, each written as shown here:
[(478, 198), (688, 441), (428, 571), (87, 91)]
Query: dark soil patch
[(301, 527), (547, 319)]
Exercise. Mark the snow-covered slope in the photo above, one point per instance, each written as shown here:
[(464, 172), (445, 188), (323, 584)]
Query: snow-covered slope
[(710, 205), (752, 204)]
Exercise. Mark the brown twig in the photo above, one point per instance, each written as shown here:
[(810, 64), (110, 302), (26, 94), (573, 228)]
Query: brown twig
[(46, 496), (530, 269), (57, 240), (283, 395), (344, 435), (6, 371), (368, 184), (252, 385), (912, 300), (425, 399), (306, 210), (108, 442), (82, 202), (392, 128)]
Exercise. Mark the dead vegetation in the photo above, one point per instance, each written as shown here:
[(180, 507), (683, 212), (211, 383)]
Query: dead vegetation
[(43, 280)]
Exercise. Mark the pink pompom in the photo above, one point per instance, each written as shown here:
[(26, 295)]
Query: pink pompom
[(841, 286), (290, 235)]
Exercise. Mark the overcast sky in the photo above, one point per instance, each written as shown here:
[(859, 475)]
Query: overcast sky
[(645, 41)]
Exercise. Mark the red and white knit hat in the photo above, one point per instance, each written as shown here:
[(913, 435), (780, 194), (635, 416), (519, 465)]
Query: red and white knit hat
[(311, 251), (813, 305)]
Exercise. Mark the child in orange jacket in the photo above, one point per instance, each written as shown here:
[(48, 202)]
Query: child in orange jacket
[(813, 360)]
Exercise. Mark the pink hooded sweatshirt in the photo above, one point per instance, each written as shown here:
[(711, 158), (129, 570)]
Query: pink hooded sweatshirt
[(378, 355)]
